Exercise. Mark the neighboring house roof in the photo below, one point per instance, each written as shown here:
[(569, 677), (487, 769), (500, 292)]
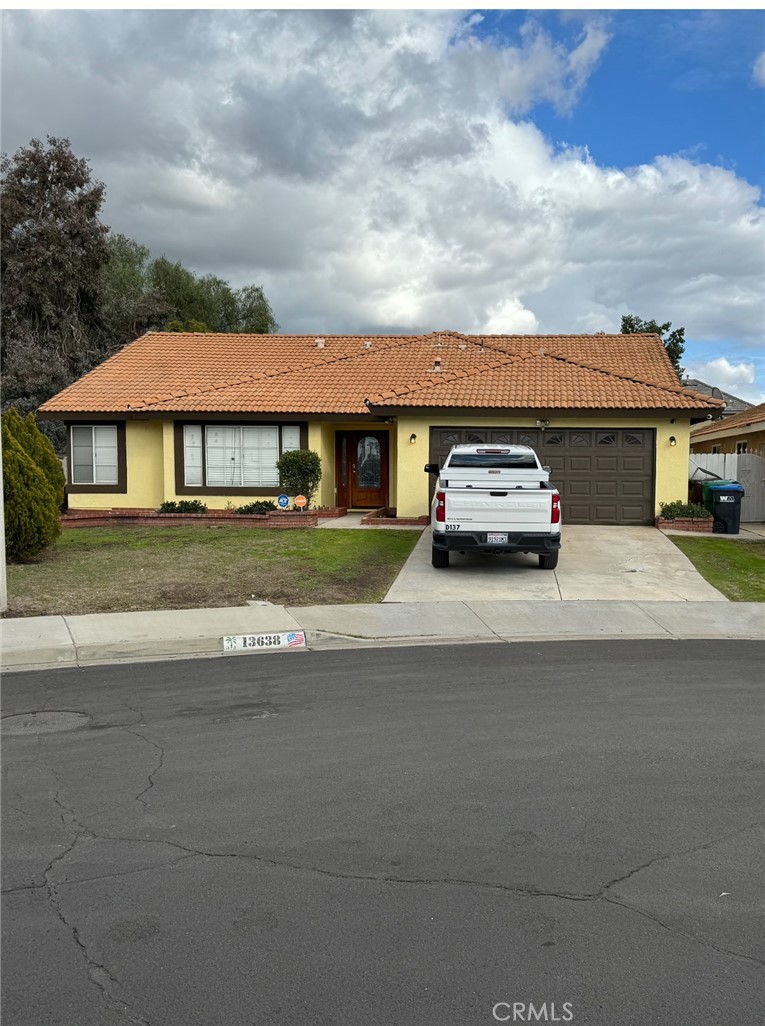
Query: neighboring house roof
[(733, 404), (752, 419), (356, 374)]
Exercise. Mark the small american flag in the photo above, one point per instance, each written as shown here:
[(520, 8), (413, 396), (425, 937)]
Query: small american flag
[(295, 638)]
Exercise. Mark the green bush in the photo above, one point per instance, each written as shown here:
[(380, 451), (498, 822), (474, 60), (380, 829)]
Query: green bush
[(184, 506), (678, 508), (39, 448), (300, 472), (258, 508), (31, 510)]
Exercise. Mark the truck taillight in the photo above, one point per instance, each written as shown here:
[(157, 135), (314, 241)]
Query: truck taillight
[(555, 515), (440, 507)]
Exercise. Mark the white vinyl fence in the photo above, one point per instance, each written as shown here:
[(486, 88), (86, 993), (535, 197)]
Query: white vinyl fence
[(746, 468)]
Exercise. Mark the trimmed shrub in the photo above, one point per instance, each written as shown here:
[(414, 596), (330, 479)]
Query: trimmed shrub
[(31, 511), (257, 508), (679, 509), (39, 448), (184, 506), (300, 472)]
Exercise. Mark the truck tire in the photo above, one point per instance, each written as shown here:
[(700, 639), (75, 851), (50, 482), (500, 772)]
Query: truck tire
[(439, 558), (548, 560)]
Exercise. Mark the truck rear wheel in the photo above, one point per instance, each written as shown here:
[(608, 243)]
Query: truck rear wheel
[(548, 560), (439, 557)]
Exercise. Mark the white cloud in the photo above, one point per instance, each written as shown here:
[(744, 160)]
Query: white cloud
[(758, 70), (381, 170), (721, 372), (737, 378)]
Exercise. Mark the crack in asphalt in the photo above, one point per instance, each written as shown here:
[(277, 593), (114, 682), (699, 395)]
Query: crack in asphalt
[(533, 892), (99, 975), (677, 931), (139, 797), (676, 855)]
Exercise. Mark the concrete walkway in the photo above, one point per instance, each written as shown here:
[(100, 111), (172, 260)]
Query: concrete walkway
[(610, 583), (632, 564), (54, 641)]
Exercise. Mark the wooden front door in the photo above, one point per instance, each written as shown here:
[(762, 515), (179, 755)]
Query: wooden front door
[(361, 469)]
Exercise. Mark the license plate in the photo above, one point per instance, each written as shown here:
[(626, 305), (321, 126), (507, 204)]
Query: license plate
[(496, 539)]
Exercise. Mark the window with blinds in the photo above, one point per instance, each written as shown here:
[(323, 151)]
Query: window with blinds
[(235, 456), (94, 454)]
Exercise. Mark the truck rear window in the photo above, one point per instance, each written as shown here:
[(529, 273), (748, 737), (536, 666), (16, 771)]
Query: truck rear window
[(496, 460)]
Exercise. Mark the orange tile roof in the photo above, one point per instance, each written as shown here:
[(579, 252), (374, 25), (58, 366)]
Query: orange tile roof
[(352, 374), (747, 418)]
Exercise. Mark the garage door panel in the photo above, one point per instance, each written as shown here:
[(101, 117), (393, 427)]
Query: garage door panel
[(604, 514), (632, 489), (605, 475), (577, 513), (578, 489), (632, 514)]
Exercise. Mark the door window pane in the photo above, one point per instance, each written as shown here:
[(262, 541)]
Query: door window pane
[(368, 463)]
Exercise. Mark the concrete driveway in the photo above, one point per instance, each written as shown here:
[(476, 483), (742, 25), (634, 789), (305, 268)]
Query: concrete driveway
[(615, 563)]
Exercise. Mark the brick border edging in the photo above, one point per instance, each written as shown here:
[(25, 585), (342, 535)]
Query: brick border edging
[(386, 517), (698, 525), (278, 519)]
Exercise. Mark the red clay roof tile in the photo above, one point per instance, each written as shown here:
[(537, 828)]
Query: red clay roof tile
[(215, 373)]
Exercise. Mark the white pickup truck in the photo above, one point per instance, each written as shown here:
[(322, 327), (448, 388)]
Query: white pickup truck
[(494, 498)]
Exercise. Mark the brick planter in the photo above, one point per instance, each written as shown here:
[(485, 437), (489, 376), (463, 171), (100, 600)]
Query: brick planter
[(330, 512), (279, 519), (386, 517), (699, 525)]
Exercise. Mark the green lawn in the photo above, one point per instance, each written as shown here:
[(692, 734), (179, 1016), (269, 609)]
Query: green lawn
[(736, 568), (105, 569)]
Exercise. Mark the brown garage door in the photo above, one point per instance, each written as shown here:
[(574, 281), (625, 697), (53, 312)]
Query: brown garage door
[(605, 475)]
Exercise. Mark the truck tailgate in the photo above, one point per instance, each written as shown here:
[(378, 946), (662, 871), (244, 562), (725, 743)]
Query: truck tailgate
[(517, 510)]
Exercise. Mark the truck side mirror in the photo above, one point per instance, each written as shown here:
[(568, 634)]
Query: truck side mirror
[(432, 468), (547, 470)]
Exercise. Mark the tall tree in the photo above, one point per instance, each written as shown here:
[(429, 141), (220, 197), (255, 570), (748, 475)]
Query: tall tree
[(52, 247), (674, 341), (129, 307), (72, 294), (254, 311)]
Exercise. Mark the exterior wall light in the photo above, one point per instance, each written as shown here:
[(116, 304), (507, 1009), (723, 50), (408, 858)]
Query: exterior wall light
[(672, 440), (412, 438)]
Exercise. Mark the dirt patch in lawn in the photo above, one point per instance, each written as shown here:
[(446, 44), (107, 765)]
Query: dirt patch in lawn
[(123, 569)]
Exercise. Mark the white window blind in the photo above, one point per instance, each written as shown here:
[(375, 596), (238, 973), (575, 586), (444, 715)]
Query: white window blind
[(290, 438), (242, 457), (260, 451), (192, 454), (94, 454)]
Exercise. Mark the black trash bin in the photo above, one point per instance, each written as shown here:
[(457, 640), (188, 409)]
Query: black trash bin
[(726, 506)]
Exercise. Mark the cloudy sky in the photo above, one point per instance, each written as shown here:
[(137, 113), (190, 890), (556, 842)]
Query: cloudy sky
[(386, 170)]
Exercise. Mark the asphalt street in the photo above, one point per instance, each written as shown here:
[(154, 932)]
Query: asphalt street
[(400, 836)]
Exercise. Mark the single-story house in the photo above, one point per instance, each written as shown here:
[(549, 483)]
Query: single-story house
[(175, 416), (733, 404), (742, 433)]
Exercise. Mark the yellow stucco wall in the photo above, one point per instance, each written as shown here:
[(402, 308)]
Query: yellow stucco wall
[(145, 472), (412, 482), (151, 460)]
